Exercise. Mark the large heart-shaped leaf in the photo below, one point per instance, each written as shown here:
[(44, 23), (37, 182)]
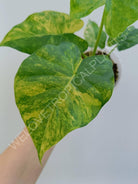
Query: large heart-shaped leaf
[(91, 33), (127, 39), (43, 28), (57, 91), (82, 8), (119, 14)]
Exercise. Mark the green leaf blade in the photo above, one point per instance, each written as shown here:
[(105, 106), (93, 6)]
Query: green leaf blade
[(31, 44), (57, 91), (40, 29), (91, 33), (119, 15), (126, 40), (129, 39), (81, 8)]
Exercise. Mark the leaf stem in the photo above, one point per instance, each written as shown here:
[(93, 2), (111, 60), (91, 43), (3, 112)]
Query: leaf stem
[(112, 50), (84, 56), (99, 34)]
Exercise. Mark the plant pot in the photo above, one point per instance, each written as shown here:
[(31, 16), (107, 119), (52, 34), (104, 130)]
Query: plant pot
[(116, 66)]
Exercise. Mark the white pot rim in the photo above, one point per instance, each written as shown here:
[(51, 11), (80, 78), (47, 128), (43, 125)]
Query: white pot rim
[(116, 60)]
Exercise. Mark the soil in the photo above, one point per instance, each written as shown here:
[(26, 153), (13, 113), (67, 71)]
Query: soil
[(115, 67)]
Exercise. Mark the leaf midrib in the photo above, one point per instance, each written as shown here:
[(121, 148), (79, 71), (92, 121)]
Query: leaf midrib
[(75, 71)]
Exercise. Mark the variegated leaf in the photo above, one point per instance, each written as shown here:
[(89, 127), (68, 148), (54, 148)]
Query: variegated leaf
[(43, 28), (127, 39), (82, 8), (57, 91), (119, 14), (91, 33)]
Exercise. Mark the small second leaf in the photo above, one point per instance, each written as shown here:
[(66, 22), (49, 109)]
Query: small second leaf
[(127, 39), (91, 33)]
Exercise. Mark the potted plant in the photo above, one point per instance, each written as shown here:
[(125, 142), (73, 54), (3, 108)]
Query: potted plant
[(63, 85)]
